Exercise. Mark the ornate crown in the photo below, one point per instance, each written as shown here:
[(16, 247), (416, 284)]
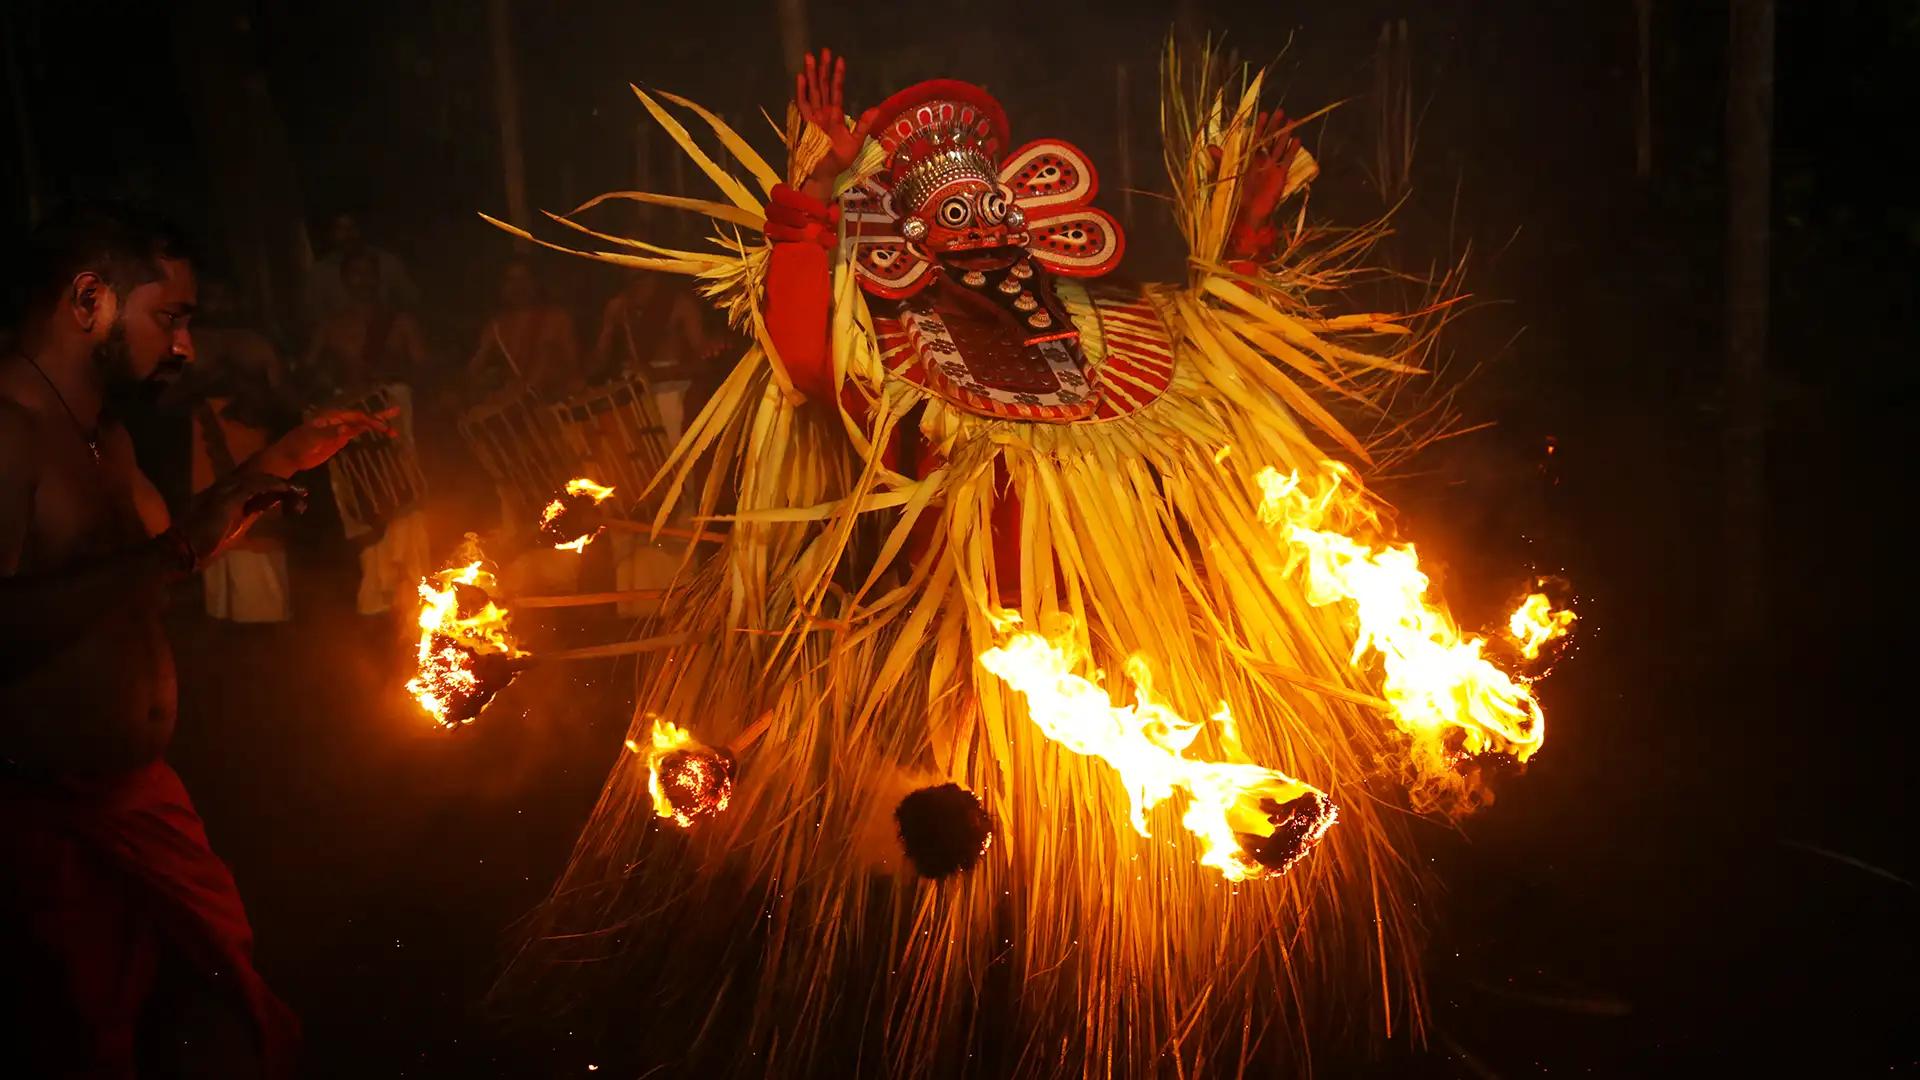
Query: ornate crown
[(946, 188)]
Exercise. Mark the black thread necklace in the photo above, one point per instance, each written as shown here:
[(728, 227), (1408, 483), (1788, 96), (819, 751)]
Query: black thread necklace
[(90, 437)]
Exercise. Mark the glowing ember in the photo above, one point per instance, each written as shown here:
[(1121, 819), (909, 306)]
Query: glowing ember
[(688, 780), (1535, 624), (467, 653), (1443, 692), (569, 521), (1251, 821)]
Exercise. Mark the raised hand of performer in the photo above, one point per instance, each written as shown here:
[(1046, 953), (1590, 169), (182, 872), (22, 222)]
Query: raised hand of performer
[(1263, 181), (319, 438), (820, 92)]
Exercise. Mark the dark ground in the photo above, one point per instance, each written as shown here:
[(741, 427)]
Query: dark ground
[(1709, 866)]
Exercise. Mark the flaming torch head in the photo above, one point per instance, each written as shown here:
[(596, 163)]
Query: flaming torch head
[(943, 829), (1297, 825), (572, 520), (1538, 626), (467, 653), (688, 780), (457, 682), (1250, 821)]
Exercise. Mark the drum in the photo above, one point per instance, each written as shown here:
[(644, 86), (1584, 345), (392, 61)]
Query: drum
[(616, 438), (521, 444), (376, 479)]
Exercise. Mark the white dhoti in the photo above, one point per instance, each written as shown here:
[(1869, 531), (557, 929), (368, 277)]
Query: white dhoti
[(393, 565), (248, 587), (638, 564), (670, 401)]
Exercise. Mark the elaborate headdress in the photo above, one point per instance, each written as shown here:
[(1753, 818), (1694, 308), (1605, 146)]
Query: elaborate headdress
[(946, 190)]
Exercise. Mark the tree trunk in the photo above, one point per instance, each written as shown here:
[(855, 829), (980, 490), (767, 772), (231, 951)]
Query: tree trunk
[(506, 100), (793, 33), (1749, 220), (249, 158), (1643, 100)]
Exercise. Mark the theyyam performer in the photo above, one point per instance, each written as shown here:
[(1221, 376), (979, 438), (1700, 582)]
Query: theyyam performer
[(1072, 687)]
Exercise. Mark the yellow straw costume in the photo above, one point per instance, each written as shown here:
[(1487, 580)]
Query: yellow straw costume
[(787, 932)]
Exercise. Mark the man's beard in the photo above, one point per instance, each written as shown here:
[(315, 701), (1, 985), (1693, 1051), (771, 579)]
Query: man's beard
[(114, 360)]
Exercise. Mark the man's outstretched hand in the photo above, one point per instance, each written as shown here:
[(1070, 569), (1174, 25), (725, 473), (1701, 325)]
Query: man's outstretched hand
[(820, 92), (221, 514), (319, 438)]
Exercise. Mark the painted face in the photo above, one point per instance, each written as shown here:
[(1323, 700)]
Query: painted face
[(971, 223)]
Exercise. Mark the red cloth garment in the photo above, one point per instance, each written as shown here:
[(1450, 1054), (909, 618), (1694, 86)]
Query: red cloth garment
[(799, 299), (96, 879)]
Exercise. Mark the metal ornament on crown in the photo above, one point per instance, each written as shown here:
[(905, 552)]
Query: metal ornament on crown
[(947, 197)]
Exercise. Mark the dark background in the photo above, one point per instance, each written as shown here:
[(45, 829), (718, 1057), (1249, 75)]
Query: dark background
[(1709, 865)]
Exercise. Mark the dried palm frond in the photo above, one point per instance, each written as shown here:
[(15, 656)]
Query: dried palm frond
[(845, 615)]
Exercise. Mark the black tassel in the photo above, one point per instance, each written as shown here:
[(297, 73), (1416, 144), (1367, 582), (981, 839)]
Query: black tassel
[(944, 829)]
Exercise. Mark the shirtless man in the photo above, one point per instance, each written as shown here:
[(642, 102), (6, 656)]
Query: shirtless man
[(120, 931), (364, 341), (528, 342)]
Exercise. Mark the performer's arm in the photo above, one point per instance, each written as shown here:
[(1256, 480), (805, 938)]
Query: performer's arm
[(803, 227), (313, 442), (1263, 185), (799, 301), (42, 612)]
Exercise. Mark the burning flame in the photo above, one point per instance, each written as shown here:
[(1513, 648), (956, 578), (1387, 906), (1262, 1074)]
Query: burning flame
[(467, 653), (1443, 692), (1535, 624), (687, 779), (1251, 821), (582, 494)]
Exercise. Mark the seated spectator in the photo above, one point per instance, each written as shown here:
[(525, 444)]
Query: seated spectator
[(654, 327), (327, 291), (367, 341), (529, 341), (238, 401)]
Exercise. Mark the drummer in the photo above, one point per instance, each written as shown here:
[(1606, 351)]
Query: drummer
[(529, 340), (365, 341), (653, 328)]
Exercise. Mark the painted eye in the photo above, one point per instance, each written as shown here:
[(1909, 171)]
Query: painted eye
[(993, 207), (954, 212)]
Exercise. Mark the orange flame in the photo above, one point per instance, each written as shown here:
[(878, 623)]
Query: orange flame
[(1535, 624), (687, 779), (467, 648), (1251, 821), (577, 487), (1437, 681)]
